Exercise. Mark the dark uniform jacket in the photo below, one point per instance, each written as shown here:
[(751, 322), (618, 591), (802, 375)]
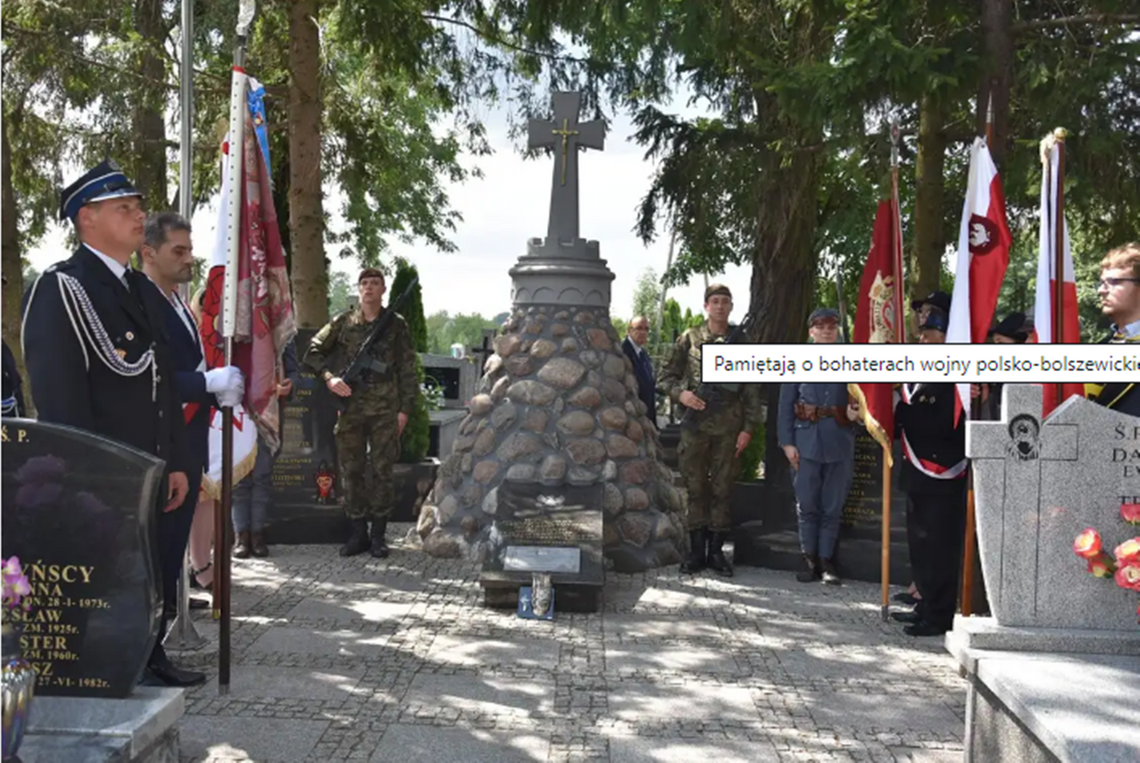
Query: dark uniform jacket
[(1119, 396), (13, 387), (646, 378), (927, 423), (72, 385)]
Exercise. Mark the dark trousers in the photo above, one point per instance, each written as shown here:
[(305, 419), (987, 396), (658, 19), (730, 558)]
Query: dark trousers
[(173, 535), (935, 528)]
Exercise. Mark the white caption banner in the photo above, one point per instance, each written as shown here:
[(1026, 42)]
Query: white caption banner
[(916, 363)]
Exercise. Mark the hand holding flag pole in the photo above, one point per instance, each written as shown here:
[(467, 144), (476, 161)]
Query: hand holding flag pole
[(223, 527)]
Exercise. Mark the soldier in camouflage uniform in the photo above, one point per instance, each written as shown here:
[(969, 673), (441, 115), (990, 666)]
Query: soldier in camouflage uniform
[(368, 431), (709, 453)]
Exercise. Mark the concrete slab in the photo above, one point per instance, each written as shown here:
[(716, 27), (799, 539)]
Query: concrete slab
[(482, 694), (344, 643), (205, 737), (627, 627), (350, 609), (897, 713), (674, 750), (431, 744), (637, 701), (247, 682), (473, 651), (641, 656)]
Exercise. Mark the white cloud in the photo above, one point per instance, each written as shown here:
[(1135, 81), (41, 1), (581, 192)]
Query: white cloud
[(501, 211)]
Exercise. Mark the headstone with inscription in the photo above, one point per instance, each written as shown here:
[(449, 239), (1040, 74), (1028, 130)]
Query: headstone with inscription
[(542, 529), (79, 512)]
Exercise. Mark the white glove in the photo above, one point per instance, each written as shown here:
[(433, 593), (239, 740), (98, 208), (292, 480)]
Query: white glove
[(229, 398), (224, 379)]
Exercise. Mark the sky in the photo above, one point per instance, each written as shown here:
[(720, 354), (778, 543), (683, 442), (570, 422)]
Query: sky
[(501, 211)]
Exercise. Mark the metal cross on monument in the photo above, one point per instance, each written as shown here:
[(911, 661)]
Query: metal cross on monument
[(565, 135)]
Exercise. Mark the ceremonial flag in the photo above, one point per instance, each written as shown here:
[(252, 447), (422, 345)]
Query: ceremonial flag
[(878, 319), (983, 255), (1045, 311), (264, 320)]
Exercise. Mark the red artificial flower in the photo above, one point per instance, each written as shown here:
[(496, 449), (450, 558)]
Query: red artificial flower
[(1102, 566), (1128, 577), (1130, 512), (1128, 552), (1087, 545)]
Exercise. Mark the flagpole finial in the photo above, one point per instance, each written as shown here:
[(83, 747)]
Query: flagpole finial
[(246, 10), (895, 133), (1058, 135)]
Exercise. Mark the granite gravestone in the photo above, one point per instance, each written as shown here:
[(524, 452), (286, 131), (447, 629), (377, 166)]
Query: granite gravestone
[(1038, 484), (544, 529), (79, 512)]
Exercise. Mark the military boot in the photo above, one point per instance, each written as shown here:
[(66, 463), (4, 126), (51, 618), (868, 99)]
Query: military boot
[(810, 572), (358, 541), (718, 562), (379, 542), (830, 575), (695, 561)]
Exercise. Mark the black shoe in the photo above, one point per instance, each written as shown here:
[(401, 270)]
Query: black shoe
[(830, 575), (925, 628), (717, 561), (164, 671), (358, 541), (241, 545), (907, 617), (695, 561), (906, 597), (257, 545), (810, 573), (379, 542)]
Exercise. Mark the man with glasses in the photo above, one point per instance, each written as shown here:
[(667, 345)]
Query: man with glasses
[(1119, 292), (634, 348), (815, 430)]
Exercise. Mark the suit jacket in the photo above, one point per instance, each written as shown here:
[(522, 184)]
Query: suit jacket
[(189, 379), (825, 440), (73, 386), (13, 386), (646, 378)]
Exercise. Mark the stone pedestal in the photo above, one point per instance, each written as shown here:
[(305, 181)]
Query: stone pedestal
[(139, 729)]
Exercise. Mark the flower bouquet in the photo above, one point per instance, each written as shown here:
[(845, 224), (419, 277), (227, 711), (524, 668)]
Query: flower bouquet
[(19, 679), (1123, 565)]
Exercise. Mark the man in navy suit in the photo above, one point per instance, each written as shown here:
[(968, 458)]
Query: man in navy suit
[(168, 260), (634, 347), (97, 349)]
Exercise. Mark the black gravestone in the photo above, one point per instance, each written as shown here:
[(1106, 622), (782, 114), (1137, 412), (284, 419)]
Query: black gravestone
[(546, 529), (766, 531), (79, 513), (306, 484)]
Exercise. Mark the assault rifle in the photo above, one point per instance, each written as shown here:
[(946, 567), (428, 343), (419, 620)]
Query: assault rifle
[(355, 376), (710, 392)]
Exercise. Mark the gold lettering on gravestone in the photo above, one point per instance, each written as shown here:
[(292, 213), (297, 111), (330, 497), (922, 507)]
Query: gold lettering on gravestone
[(1126, 454), (49, 632), (20, 435)]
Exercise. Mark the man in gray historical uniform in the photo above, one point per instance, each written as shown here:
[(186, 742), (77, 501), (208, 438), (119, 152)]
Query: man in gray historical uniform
[(814, 427)]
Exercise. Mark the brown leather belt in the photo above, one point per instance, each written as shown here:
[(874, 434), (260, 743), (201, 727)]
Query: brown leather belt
[(814, 413)]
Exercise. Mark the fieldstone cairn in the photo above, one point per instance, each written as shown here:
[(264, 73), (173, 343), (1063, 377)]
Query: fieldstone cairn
[(557, 404)]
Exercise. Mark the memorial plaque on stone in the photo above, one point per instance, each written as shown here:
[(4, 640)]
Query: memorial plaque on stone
[(305, 480), (542, 529), (79, 512)]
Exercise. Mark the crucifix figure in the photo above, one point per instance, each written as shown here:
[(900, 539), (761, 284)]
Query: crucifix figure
[(565, 134)]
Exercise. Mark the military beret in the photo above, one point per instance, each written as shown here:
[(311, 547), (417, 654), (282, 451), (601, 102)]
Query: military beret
[(823, 314), (106, 181), (939, 299), (1013, 326), (715, 289)]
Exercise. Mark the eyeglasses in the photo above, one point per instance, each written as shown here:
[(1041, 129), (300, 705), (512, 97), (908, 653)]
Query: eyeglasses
[(1108, 283)]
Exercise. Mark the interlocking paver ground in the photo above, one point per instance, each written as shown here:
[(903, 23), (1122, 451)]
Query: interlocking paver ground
[(397, 660)]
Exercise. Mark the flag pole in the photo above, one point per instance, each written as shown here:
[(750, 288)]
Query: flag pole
[(970, 550), (900, 334), (1059, 251), (223, 530)]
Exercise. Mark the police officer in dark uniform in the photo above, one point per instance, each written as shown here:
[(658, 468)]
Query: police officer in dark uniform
[(13, 402), (97, 350), (934, 479)]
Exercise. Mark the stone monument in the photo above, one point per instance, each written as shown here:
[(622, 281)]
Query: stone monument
[(557, 405), (1058, 658)]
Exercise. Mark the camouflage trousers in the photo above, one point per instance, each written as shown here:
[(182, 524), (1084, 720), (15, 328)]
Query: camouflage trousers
[(366, 442), (710, 467)]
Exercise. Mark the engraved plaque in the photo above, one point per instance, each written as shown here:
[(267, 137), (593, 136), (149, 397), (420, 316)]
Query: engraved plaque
[(542, 559)]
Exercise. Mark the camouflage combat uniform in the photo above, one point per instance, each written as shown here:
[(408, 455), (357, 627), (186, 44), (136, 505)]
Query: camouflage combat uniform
[(368, 424), (707, 454)]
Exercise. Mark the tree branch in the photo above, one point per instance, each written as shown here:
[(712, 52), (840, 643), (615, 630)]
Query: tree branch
[(501, 41), (1092, 19)]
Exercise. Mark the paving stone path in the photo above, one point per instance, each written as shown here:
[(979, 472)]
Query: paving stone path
[(396, 661)]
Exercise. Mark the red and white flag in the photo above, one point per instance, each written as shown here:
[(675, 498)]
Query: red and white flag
[(264, 320), (1045, 311), (878, 319), (983, 256)]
